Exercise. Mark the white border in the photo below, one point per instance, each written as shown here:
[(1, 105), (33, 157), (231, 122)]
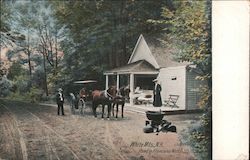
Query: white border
[(230, 48)]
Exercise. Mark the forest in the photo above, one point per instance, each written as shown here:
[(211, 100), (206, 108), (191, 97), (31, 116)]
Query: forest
[(50, 44)]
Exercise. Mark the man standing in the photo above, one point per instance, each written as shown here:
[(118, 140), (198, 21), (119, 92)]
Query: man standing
[(60, 101), (157, 94)]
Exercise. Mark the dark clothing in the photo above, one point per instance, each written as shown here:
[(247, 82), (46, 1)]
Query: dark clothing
[(157, 96), (60, 107), (60, 101)]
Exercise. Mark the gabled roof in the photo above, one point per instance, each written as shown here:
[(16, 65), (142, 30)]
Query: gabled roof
[(140, 66), (142, 52), (160, 53)]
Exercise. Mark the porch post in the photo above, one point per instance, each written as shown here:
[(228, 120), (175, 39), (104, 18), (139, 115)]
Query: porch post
[(117, 81), (131, 85), (107, 82)]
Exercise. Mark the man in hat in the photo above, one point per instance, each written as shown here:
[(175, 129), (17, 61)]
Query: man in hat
[(60, 101), (157, 94)]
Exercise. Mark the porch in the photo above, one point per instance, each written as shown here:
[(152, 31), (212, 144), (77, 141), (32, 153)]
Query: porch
[(138, 76)]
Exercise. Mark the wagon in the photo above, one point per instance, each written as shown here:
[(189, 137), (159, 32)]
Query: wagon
[(155, 123), (78, 100)]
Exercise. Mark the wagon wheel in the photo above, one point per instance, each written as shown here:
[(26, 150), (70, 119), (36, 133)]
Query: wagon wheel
[(72, 105)]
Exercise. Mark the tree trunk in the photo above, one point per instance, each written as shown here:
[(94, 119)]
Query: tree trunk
[(117, 56), (124, 44), (56, 60), (28, 52), (45, 75), (56, 50), (29, 61), (111, 61)]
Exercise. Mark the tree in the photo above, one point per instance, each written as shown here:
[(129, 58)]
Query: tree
[(5, 86), (102, 34), (188, 29), (15, 70), (41, 33), (8, 37), (22, 21), (50, 35)]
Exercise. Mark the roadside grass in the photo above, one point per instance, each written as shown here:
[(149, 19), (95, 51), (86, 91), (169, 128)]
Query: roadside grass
[(194, 137)]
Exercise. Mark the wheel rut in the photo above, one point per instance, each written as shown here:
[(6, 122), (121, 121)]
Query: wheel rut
[(36, 137)]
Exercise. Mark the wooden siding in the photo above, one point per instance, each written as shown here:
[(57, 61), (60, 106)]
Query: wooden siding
[(172, 80), (192, 90)]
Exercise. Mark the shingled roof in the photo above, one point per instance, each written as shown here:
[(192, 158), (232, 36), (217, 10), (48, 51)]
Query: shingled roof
[(136, 67), (155, 56), (162, 53)]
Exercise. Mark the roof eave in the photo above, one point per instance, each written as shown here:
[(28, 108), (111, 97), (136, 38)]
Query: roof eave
[(135, 72)]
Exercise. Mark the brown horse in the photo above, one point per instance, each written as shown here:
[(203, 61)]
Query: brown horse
[(124, 92), (103, 98), (120, 100)]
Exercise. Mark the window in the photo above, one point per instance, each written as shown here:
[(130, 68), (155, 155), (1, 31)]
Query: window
[(173, 78)]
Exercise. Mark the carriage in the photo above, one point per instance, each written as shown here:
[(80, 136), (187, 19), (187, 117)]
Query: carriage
[(78, 100), (111, 97), (156, 123)]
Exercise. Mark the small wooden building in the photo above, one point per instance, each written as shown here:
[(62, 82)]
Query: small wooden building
[(150, 60)]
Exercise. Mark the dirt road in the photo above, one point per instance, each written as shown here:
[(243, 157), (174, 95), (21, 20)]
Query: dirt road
[(29, 131)]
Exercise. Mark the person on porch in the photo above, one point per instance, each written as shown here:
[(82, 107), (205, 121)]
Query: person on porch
[(157, 94)]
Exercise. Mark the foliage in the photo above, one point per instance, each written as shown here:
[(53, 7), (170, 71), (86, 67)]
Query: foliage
[(90, 36), (34, 95), (38, 77), (3, 68), (199, 143), (41, 36), (102, 34), (187, 27), (188, 30), (198, 137), (5, 86), (8, 38), (16, 70), (93, 36), (20, 87), (205, 93), (22, 84)]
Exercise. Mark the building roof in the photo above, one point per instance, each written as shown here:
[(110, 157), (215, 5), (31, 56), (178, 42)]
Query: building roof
[(149, 55), (140, 66), (162, 53), (164, 56)]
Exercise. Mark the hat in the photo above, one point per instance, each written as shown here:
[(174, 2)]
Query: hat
[(60, 90), (155, 80)]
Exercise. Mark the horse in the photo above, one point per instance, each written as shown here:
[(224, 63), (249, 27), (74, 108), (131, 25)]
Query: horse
[(78, 101), (73, 103), (120, 100), (124, 91), (103, 98)]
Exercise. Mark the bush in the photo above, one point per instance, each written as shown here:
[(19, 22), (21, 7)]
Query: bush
[(5, 87), (49, 99), (199, 137), (44, 98), (17, 96), (33, 96), (22, 83), (199, 143)]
